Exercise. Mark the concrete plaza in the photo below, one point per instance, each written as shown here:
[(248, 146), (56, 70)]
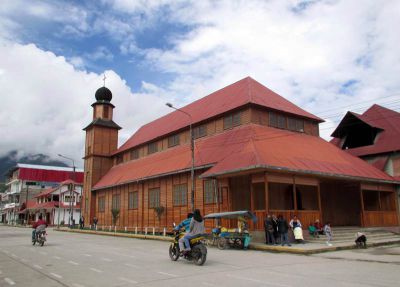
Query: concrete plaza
[(71, 259)]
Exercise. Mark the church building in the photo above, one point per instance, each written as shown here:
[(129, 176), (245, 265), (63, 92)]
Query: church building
[(252, 150)]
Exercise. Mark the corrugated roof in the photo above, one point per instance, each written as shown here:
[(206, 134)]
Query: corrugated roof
[(387, 140), (48, 175), (248, 147), (245, 91)]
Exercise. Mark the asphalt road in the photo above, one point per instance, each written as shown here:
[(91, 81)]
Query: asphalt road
[(77, 260)]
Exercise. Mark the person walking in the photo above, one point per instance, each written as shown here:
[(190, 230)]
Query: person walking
[(283, 229), (269, 230), (328, 232), (81, 222)]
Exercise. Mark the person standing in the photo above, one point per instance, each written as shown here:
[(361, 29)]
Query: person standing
[(283, 229), (328, 233), (296, 226), (95, 220), (81, 222), (275, 225), (269, 230)]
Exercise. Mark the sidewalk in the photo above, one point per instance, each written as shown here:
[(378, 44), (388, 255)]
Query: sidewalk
[(305, 249)]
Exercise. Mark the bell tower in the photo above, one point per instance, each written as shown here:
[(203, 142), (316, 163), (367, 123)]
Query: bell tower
[(101, 141)]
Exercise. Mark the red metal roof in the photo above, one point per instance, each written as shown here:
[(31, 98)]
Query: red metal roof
[(46, 175), (248, 147), (387, 140), (245, 91)]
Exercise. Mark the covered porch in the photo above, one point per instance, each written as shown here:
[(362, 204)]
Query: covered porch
[(339, 201)]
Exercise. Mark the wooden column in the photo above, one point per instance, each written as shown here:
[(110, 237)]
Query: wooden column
[(266, 194), (362, 207), (319, 200), (294, 196)]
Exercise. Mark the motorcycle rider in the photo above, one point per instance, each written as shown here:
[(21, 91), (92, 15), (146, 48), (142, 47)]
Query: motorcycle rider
[(196, 227), (185, 223), (38, 226)]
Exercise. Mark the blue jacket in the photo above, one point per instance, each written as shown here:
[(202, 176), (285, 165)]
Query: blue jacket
[(184, 224)]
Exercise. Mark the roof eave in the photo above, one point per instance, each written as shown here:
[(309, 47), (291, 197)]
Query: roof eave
[(153, 176), (277, 168)]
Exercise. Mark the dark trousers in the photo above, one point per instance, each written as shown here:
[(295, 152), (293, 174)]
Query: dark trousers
[(269, 237)]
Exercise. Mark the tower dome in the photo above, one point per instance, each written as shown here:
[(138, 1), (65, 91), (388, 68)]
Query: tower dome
[(103, 94)]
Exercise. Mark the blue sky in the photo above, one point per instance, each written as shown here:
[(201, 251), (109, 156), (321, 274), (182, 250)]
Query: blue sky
[(326, 56)]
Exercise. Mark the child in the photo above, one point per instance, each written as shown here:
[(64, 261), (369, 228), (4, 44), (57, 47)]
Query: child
[(328, 232), (361, 240)]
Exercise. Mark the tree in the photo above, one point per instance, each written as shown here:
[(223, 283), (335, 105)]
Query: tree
[(115, 215), (159, 210)]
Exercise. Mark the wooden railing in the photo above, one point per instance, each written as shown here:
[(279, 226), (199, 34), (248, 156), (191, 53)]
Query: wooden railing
[(380, 218)]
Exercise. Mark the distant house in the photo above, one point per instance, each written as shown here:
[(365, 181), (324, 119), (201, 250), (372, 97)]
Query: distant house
[(25, 181), (373, 136), (253, 150), (56, 204)]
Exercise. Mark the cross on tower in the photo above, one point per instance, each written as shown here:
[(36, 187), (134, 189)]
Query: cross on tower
[(104, 79)]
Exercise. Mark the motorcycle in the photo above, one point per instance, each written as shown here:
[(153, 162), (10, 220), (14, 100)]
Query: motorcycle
[(40, 238), (197, 253)]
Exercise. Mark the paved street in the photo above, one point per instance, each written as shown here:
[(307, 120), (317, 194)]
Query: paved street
[(78, 260)]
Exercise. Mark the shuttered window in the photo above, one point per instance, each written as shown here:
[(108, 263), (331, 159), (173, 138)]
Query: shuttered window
[(102, 204), (179, 194), (116, 201), (154, 197), (133, 199)]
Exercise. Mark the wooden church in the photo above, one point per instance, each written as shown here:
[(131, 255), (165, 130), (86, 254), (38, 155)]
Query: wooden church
[(253, 150)]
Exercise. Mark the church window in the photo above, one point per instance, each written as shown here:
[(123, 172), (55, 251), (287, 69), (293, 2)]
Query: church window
[(295, 124), (232, 120), (200, 131), (277, 120), (135, 154), (154, 197), (179, 194), (116, 201), (133, 200), (102, 204), (173, 140), (152, 148)]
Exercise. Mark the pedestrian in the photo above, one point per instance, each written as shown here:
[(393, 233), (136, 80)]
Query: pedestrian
[(296, 226), (275, 225), (283, 229), (95, 220), (328, 233), (269, 230), (81, 222)]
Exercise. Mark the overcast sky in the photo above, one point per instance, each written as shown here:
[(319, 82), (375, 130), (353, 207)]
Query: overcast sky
[(325, 56)]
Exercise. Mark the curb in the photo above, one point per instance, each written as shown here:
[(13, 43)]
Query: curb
[(116, 234)]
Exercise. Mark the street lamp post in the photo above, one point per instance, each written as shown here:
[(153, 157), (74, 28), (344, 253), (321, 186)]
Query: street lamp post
[(70, 192), (192, 151)]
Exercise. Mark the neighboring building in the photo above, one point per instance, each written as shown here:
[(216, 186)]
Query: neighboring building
[(253, 150), (53, 209), (373, 136), (25, 181)]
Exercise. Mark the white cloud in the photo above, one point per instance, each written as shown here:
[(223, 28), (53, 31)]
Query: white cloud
[(46, 102)]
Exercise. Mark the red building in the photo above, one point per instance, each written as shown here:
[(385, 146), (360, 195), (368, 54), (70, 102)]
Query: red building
[(253, 150), (25, 181)]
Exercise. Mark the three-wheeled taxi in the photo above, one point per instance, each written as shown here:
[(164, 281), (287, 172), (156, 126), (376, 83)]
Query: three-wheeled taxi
[(232, 237)]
